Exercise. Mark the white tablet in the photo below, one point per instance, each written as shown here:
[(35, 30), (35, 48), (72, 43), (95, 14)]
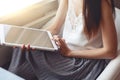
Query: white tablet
[(17, 36)]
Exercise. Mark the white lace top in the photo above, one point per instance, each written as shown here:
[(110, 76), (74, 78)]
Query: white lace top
[(73, 31)]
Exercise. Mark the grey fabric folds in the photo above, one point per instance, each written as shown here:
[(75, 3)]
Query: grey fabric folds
[(46, 65), (20, 65)]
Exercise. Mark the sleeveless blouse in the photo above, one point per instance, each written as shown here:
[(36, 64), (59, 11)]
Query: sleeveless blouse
[(73, 31)]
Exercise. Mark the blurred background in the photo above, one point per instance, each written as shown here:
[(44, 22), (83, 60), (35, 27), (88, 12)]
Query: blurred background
[(29, 13)]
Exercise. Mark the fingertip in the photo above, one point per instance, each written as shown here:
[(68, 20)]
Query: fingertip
[(56, 36), (28, 47), (58, 43), (23, 46)]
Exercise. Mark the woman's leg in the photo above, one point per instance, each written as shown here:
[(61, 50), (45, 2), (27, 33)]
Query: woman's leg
[(53, 66), (50, 65), (20, 66)]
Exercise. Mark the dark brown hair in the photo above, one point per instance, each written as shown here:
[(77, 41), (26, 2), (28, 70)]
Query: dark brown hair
[(92, 16)]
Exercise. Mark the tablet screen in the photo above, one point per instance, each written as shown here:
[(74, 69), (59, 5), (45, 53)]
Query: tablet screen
[(36, 38)]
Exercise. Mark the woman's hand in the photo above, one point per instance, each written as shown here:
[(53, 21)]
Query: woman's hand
[(25, 47), (63, 46)]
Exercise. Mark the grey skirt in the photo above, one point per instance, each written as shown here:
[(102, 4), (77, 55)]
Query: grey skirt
[(46, 65)]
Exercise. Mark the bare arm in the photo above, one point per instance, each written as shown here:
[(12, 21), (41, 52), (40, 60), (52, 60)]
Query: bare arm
[(109, 37), (59, 18)]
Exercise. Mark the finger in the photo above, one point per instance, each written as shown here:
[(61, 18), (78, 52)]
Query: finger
[(14, 46), (23, 46), (63, 40), (56, 40), (58, 43), (63, 43), (28, 46), (56, 37)]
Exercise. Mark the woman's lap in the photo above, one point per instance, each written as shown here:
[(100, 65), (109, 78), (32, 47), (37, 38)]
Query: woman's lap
[(20, 66), (54, 66)]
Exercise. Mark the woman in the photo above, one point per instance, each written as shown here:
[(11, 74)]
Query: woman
[(89, 41)]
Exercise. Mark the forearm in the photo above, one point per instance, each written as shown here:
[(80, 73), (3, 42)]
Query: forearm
[(100, 53), (55, 27), (59, 19), (91, 53), (52, 30)]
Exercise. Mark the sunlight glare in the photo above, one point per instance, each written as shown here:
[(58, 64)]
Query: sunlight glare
[(10, 6)]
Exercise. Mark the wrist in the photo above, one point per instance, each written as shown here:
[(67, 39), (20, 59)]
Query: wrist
[(69, 53)]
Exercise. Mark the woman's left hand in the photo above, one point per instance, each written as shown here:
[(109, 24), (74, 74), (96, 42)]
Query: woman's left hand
[(63, 46)]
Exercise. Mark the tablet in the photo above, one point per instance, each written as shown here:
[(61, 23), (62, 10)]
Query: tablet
[(17, 36)]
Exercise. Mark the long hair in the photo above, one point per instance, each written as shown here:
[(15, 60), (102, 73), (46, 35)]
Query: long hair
[(92, 15)]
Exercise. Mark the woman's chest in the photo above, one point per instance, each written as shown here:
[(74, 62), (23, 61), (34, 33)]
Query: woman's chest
[(77, 6)]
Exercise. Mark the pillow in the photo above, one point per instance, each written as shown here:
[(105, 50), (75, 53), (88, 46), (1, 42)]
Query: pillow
[(117, 24), (6, 75)]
